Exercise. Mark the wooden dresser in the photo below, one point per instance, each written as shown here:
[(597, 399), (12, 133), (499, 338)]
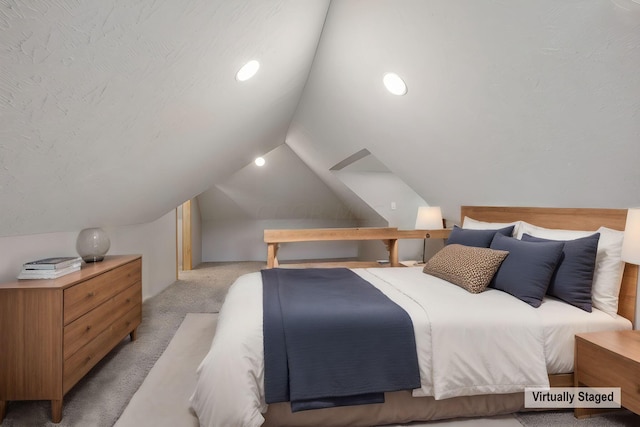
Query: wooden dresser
[(52, 332)]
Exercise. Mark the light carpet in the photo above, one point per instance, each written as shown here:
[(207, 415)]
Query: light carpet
[(163, 398)]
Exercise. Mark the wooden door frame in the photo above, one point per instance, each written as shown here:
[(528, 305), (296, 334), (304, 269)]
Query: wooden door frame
[(187, 258), (187, 254)]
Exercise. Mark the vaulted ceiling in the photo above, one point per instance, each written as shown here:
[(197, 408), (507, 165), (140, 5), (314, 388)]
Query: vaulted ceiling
[(508, 103), (113, 113)]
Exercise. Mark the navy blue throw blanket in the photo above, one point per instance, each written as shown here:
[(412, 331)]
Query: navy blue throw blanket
[(333, 339)]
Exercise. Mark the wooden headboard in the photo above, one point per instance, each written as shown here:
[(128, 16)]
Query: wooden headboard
[(569, 219)]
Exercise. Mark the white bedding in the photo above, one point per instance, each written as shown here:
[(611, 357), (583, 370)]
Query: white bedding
[(482, 343), (562, 321)]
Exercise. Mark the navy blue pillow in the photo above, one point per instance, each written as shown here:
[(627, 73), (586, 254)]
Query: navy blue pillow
[(477, 238), (573, 279), (526, 271)]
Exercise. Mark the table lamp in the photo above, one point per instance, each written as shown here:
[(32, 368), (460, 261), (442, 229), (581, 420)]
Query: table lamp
[(428, 218), (631, 242)]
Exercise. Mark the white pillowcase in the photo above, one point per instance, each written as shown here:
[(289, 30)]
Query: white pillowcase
[(552, 233), (607, 275), (474, 224)]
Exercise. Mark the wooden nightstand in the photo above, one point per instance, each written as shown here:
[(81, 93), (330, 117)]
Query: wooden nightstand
[(609, 359)]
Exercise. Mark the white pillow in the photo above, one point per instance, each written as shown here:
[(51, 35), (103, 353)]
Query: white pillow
[(474, 224), (551, 233), (607, 275)]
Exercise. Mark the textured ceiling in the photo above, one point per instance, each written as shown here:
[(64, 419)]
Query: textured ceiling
[(284, 188), (113, 113), (516, 103), (116, 112)]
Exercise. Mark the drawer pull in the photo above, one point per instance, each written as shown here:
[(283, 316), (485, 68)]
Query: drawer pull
[(128, 300), (88, 327), (128, 323), (90, 294)]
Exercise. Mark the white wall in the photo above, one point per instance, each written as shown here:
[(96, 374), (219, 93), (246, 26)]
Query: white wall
[(380, 190), (154, 240), (243, 240), (16, 250)]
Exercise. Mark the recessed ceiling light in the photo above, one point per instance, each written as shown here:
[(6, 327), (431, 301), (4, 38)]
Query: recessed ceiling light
[(394, 84), (259, 161), (248, 70)]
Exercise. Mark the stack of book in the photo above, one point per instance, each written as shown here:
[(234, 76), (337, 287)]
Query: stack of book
[(50, 268)]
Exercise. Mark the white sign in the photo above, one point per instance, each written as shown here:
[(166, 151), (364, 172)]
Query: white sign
[(572, 397)]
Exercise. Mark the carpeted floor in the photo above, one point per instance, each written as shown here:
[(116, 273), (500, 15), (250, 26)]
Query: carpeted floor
[(99, 399), (622, 418), (163, 398)]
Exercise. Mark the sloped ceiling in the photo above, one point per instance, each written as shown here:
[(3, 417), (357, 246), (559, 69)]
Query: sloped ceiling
[(114, 113), (516, 103), (284, 188)]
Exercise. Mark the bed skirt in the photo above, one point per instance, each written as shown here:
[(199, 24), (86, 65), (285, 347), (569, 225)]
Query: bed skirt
[(399, 407)]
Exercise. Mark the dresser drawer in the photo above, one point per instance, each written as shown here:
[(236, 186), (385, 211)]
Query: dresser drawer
[(85, 296), (79, 363), (82, 330)]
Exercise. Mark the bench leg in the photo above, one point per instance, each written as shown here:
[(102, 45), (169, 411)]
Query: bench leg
[(272, 255), (392, 247), (3, 409)]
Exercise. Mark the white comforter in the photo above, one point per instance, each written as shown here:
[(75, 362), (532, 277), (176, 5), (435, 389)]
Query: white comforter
[(467, 344)]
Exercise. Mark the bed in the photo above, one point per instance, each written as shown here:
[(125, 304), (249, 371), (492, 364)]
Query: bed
[(230, 387)]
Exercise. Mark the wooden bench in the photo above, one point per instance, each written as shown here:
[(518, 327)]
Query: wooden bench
[(388, 235)]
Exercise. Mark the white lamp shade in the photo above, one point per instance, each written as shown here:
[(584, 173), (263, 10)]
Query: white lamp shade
[(429, 218), (631, 243)]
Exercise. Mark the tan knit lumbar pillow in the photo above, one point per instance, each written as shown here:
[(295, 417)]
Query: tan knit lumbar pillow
[(469, 267)]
